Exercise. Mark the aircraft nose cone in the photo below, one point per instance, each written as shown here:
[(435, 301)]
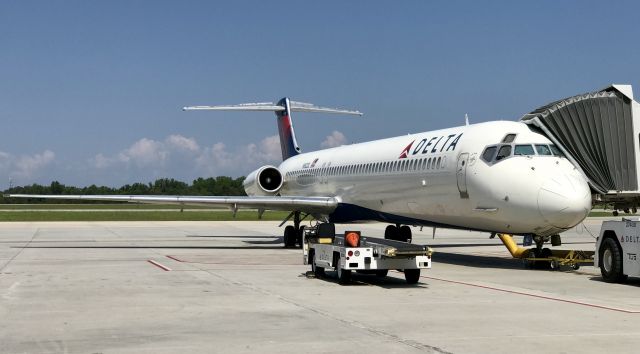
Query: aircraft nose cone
[(564, 201)]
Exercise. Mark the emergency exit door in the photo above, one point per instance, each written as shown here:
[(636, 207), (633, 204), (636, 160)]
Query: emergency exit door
[(461, 174)]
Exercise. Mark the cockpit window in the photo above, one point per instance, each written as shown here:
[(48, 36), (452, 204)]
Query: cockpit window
[(509, 138), (543, 150), (523, 150), (505, 151), (556, 151), (489, 153)]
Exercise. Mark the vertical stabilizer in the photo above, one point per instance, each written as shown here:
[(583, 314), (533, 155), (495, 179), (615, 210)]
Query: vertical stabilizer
[(288, 142)]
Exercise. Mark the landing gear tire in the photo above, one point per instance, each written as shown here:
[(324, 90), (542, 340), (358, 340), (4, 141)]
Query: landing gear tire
[(289, 236), (299, 236), (615, 213), (412, 275), (317, 271), (391, 233), (404, 234), (611, 262)]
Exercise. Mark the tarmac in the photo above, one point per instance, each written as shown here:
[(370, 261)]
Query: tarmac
[(230, 287)]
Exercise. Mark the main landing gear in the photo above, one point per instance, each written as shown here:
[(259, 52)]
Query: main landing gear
[(398, 233), (293, 233)]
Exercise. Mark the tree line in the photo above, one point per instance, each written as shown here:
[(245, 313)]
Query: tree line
[(221, 185)]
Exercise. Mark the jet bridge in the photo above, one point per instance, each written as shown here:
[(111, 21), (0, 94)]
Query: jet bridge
[(600, 133)]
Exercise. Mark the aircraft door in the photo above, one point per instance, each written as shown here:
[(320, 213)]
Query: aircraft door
[(461, 174)]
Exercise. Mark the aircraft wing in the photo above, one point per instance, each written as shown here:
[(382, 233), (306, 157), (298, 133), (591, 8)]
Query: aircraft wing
[(323, 205)]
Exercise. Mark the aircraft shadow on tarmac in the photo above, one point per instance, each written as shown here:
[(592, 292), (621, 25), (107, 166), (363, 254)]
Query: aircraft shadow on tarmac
[(234, 236), (476, 261), (389, 282), (275, 242)]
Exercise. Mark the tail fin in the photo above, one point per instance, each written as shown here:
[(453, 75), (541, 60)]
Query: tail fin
[(288, 142), (283, 110)]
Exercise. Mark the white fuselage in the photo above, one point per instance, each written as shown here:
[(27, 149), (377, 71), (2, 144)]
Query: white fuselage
[(439, 178)]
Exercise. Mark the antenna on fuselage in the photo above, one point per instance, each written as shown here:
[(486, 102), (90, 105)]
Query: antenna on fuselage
[(466, 119)]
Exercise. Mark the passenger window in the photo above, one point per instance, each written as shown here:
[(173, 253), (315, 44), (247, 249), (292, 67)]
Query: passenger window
[(505, 151), (489, 153), (438, 164), (509, 138), (429, 164), (524, 150), (543, 150)]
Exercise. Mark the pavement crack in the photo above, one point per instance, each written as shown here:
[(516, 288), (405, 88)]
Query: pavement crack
[(20, 250)]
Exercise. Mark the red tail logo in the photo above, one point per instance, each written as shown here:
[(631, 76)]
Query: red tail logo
[(405, 152)]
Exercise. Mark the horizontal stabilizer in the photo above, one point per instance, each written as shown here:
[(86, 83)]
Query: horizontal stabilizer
[(273, 107)]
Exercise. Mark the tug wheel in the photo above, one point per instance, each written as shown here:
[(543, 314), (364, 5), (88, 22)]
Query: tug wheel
[(611, 261), (412, 275), (318, 271)]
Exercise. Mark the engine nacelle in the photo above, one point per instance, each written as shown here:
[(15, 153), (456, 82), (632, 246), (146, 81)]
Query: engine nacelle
[(265, 181)]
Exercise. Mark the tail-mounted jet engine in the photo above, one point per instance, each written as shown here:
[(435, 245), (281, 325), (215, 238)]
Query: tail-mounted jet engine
[(265, 181)]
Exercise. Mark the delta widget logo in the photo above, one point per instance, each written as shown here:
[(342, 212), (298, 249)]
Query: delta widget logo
[(405, 153)]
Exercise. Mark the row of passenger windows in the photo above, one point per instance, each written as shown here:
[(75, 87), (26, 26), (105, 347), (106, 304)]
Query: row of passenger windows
[(504, 151), (431, 163)]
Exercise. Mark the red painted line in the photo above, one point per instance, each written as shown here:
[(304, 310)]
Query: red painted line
[(534, 295), (165, 268), (175, 258)]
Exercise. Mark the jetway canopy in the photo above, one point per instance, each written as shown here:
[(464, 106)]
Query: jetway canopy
[(598, 132)]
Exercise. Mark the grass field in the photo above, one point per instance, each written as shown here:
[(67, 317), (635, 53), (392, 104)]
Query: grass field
[(135, 215)]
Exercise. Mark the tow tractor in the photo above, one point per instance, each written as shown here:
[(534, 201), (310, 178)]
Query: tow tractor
[(618, 249), (545, 258), (324, 250)]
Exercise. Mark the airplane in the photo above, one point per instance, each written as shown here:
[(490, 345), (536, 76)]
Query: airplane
[(500, 177)]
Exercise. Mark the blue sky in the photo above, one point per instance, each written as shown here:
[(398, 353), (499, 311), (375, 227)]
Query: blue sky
[(91, 91)]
